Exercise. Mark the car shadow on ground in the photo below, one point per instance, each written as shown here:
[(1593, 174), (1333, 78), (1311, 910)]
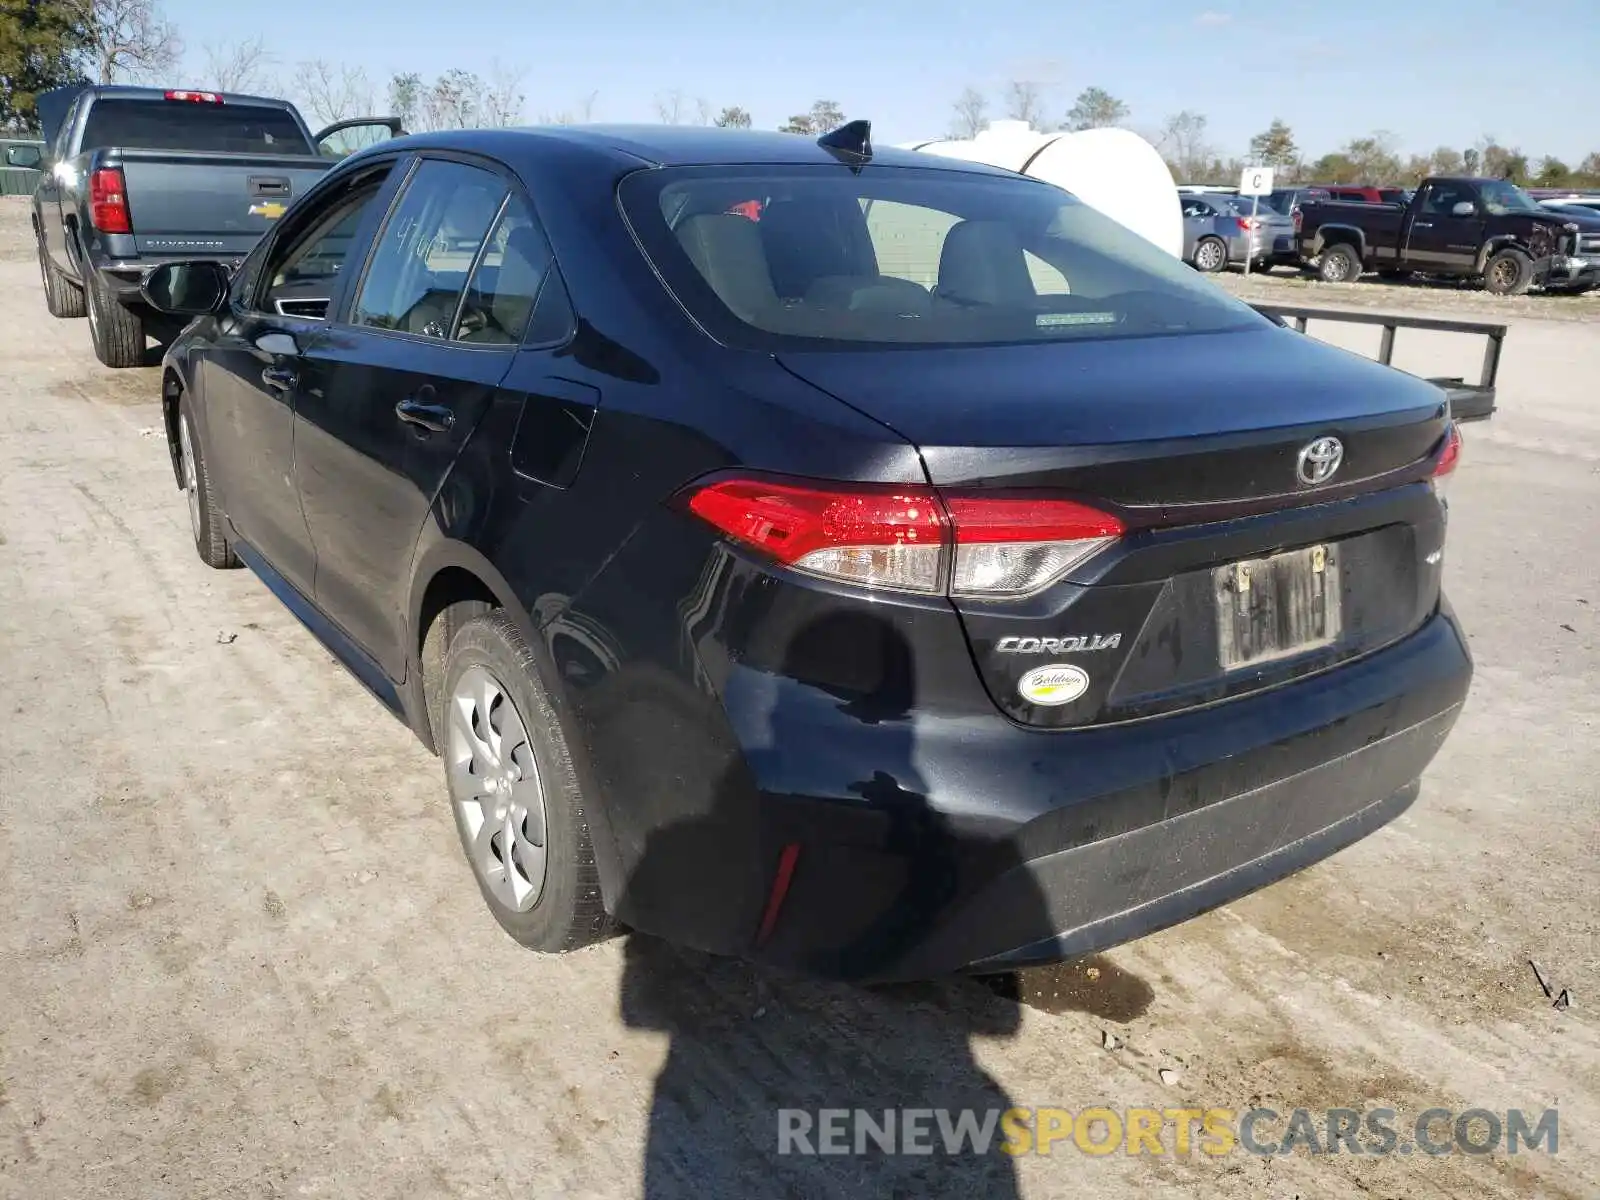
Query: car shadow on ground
[(749, 1042)]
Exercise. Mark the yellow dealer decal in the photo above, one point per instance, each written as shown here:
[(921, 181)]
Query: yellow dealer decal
[(1057, 683)]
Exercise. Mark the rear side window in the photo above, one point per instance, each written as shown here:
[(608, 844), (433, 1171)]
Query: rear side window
[(906, 256), (427, 249), (507, 281), (187, 125)]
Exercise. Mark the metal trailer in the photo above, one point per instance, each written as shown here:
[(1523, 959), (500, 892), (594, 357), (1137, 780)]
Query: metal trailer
[(1468, 401)]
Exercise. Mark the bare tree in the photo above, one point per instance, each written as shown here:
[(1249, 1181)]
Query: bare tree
[(1183, 143), (333, 93), (126, 39), (240, 66), (578, 114), (669, 106), (972, 114), (455, 101), (1025, 101), (502, 97), (732, 117)]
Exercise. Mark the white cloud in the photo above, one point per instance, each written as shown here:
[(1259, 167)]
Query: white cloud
[(1213, 18)]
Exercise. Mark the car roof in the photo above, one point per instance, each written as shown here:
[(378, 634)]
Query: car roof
[(678, 145)]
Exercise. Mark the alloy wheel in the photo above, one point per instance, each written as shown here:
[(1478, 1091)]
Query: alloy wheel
[(191, 477), (495, 790), (1209, 256)]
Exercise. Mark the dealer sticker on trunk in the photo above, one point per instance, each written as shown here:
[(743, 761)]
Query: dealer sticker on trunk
[(1057, 683)]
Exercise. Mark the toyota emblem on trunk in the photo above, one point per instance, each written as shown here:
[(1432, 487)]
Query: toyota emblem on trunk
[(1319, 460)]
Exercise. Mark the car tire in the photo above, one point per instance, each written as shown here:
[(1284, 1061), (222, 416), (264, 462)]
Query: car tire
[(521, 812), (1210, 255), (117, 333), (63, 298), (1339, 264), (1508, 272), (206, 521)]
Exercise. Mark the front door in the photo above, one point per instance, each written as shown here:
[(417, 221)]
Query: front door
[(391, 395), (1447, 229), (249, 378)]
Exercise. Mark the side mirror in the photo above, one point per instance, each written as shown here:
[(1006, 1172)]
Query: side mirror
[(30, 158), (186, 289), (1464, 208)]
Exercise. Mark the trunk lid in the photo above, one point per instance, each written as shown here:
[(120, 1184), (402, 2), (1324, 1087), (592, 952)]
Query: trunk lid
[(1235, 573), (191, 203)]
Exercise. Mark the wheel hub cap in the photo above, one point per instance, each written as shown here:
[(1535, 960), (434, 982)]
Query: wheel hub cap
[(495, 790)]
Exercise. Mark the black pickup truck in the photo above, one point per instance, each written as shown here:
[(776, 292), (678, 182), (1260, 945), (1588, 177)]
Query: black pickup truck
[(1477, 228), (136, 176)]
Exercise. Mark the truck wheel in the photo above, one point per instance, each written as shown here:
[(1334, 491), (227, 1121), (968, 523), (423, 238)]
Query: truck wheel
[(1339, 264), (117, 334), (1210, 255), (1508, 273), (61, 297)]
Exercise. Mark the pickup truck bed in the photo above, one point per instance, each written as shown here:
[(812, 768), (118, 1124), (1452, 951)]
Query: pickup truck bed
[(140, 176)]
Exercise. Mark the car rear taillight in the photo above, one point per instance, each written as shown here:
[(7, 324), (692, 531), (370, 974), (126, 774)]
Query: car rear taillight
[(1248, 223), (108, 201), (195, 97), (1448, 461), (907, 537), (1011, 547)]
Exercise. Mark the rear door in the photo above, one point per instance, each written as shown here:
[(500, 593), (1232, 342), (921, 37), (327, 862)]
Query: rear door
[(389, 398)]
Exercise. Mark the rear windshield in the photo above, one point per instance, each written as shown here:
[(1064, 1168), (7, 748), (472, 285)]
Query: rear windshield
[(801, 256), (187, 125)]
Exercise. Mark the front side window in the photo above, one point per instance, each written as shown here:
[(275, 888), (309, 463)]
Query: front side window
[(305, 265), (427, 249), (1501, 198), (904, 255)]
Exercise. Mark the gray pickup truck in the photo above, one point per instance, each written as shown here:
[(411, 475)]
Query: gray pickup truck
[(136, 176)]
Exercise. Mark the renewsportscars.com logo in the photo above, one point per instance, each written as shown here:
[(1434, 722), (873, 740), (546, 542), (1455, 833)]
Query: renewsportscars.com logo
[(1160, 1131)]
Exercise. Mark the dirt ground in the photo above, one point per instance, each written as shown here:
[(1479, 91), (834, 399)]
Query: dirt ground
[(241, 956)]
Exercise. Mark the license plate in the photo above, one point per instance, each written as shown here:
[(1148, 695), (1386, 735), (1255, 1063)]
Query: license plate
[(1276, 607)]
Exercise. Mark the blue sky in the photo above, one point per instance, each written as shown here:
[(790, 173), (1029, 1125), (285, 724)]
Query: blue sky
[(1432, 72)]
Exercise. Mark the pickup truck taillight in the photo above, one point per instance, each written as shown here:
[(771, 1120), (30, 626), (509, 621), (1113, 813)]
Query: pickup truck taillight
[(108, 201), (195, 97)]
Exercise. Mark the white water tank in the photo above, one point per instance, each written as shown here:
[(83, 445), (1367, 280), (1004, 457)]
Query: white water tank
[(1112, 170)]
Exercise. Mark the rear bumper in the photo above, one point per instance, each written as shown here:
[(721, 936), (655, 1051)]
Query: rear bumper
[(927, 847)]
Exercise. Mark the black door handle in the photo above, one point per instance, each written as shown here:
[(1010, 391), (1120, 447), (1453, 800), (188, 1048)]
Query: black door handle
[(279, 379), (435, 418)]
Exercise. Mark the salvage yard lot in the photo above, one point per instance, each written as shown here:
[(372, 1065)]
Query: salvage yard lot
[(240, 955)]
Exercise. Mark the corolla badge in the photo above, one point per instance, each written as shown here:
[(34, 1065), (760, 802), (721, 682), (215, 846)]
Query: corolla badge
[(1319, 460), (1058, 683)]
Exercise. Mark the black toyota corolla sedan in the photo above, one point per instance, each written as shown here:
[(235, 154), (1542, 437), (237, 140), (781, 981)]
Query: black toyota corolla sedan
[(865, 562)]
